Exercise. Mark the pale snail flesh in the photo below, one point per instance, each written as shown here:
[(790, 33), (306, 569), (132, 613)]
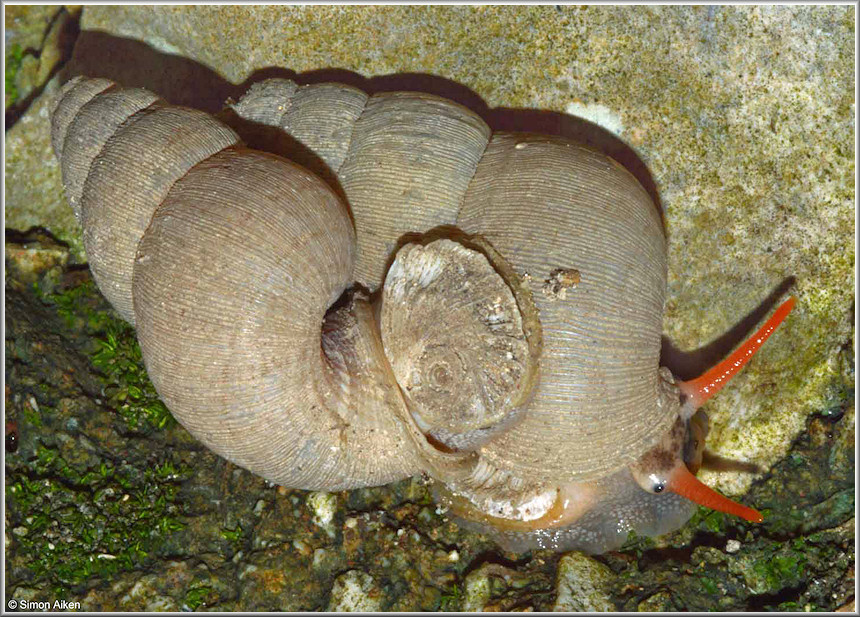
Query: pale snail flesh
[(504, 338)]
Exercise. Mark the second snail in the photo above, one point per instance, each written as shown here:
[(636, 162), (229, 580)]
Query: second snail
[(484, 309)]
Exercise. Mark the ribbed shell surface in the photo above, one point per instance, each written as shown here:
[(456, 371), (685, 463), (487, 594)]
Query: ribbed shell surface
[(87, 132), (74, 94), (267, 101), (231, 284), (322, 117), (403, 159), (548, 204), (409, 162), (130, 178)]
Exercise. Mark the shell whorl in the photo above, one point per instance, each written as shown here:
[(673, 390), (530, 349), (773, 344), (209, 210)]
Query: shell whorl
[(226, 260), (404, 159), (406, 163), (241, 355), (596, 407), (546, 204), (121, 150), (130, 178)]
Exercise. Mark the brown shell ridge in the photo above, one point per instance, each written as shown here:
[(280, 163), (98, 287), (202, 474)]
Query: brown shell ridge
[(73, 95), (266, 101), (407, 162), (456, 220), (87, 132), (313, 115), (404, 172)]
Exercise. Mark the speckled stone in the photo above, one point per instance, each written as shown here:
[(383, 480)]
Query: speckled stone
[(582, 585), (324, 506), (354, 591), (33, 193), (659, 602), (477, 591), (743, 114), (26, 25), (39, 33)]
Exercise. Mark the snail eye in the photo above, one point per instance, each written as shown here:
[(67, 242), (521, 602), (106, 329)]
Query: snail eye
[(658, 484)]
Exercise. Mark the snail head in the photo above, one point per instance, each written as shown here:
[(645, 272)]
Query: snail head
[(672, 463)]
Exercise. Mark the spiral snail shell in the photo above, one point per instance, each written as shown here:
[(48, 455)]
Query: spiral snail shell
[(503, 337)]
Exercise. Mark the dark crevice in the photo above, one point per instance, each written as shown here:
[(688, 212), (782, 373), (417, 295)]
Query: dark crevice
[(494, 558), (770, 602), (36, 235), (66, 43)]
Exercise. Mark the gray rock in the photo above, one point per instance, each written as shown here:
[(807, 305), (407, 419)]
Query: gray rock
[(582, 585)]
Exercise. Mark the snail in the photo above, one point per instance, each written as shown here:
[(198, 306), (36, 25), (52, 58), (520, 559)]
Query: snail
[(481, 309)]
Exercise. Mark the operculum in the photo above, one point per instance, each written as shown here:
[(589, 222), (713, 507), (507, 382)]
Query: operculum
[(462, 341)]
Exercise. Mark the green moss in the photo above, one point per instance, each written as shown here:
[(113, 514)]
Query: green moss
[(793, 607), (777, 567), (117, 356), (31, 416), (451, 599), (714, 520), (781, 569), (233, 535), (79, 307), (709, 585), (637, 544), (75, 524), (14, 57), (127, 386), (706, 521), (197, 596)]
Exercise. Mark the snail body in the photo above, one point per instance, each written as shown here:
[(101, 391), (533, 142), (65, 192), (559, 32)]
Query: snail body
[(503, 338)]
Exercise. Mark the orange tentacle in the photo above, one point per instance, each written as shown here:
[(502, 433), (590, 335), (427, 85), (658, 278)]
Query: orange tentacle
[(702, 388), (687, 485)]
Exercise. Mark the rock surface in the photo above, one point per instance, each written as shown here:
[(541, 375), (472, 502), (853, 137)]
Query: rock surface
[(354, 592), (37, 40), (582, 585)]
